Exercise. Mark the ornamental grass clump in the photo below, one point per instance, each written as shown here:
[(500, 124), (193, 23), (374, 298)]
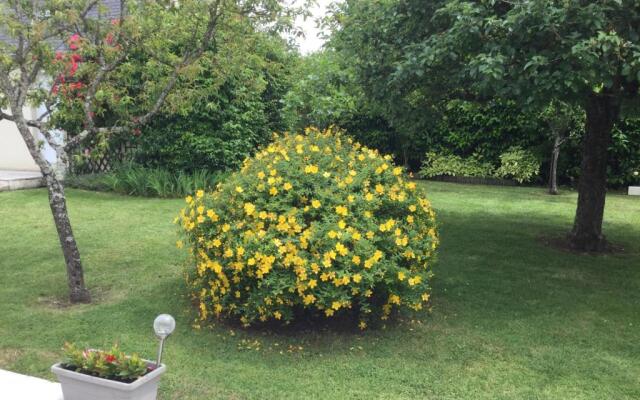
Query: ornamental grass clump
[(313, 223)]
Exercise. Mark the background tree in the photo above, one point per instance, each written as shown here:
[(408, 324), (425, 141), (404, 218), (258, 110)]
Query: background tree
[(564, 121), (582, 52), (86, 88)]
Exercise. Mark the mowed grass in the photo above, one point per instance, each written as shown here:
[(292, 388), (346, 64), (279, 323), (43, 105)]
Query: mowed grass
[(512, 318)]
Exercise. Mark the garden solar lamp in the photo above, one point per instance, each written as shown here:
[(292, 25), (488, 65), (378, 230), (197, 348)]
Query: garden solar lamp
[(163, 325)]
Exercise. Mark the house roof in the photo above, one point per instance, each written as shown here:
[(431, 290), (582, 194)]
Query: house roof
[(110, 10)]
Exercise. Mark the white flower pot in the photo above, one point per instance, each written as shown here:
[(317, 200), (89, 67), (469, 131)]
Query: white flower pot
[(634, 190), (78, 386)]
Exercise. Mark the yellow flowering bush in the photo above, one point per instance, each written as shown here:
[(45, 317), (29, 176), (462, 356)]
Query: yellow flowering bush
[(314, 222)]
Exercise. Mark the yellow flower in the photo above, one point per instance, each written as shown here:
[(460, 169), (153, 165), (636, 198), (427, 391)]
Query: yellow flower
[(263, 215), (226, 227), (336, 305), (379, 188), (362, 325), (239, 189), (397, 171), (200, 219), (328, 312), (200, 194), (188, 199), (357, 278), (342, 224), (410, 219), (261, 175), (273, 191), (315, 203), (356, 260), (342, 249), (212, 214), (313, 283), (332, 234), (311, 169), (412, 208), (342, 210), (277, 315), (287, 186), (249, 208), (179, 244), (216, 242), (309, 299), (400, 276)]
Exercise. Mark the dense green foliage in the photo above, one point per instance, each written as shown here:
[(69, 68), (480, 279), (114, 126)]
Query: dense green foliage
[(516, 164), (315, 224), (452, 165), (506, 309), (234, 109), (134, 180)]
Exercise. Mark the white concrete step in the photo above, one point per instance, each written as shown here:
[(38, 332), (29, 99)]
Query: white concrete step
[(14, 180), (22, 387)]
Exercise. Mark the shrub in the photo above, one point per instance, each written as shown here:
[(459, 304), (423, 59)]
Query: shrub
[(150, 182), (112, 364), (314, 224), (453, 165), (518, 164)]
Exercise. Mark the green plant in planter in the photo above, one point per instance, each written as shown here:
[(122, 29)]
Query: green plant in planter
[(314, 223), (112, 364)]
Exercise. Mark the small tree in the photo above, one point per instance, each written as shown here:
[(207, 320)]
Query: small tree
[(564, 122), (89, 87)]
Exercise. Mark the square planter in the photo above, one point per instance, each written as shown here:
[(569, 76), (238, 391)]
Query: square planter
[(634, 190), (78, 386)]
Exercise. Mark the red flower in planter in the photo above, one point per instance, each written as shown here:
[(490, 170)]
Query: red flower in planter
[(110, 358)]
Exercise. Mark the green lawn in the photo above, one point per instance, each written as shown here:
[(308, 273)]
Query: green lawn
[(512, 318)]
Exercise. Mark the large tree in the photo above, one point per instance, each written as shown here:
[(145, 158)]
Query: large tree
[(585, 53), (72, 58)]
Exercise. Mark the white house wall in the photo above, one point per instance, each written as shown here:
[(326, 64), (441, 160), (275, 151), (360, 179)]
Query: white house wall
[(14, 154)]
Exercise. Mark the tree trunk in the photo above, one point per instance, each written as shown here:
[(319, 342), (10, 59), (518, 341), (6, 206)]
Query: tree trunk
[(78, 293), (553, 167), (602, 111)]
